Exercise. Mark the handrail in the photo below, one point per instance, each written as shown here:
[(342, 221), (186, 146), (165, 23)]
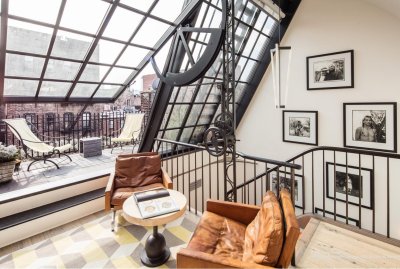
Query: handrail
[(269, 161), (348, 150), (243, 155)]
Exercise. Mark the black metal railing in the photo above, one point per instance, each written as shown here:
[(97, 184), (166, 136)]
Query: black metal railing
[(63, 129), (201, 176), (352, 186)]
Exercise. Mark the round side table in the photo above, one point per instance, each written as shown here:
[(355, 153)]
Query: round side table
[(156, 251)]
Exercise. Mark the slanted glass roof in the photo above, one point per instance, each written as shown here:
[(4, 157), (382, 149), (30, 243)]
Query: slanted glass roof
[(191, 109), (79, 50)]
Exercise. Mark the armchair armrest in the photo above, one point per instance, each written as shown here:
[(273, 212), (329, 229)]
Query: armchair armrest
[(236, 211), (188, 258), (109, 191), (167, 182)]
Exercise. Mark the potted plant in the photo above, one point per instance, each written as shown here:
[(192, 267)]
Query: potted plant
[(8, 156)]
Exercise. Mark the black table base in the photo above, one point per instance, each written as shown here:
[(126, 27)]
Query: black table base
[(156, 251)]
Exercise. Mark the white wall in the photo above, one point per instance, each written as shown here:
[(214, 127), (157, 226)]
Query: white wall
[(324, 26)]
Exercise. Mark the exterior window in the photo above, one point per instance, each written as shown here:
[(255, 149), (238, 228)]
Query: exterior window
[(31, 119), (86, 121), (128, 102), (111, 124), (50, 118), (68, 120)]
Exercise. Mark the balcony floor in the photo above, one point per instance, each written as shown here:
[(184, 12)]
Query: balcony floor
[(41, 173)]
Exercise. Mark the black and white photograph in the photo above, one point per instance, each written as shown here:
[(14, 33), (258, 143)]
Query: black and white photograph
[(284, 182), (300, 127), (330, 71), (370, 126), (354, 183)]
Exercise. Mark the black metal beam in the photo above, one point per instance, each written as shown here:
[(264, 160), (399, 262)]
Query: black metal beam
[(52, 99), (161, 42), (49, 50), (174, 60), (3, 44), (289, 8), (93, 47)]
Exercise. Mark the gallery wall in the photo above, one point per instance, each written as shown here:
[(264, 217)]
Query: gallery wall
[(322, 26), (319, 27)]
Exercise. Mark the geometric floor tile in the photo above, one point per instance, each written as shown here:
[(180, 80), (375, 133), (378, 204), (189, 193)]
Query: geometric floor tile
[(93, 245)]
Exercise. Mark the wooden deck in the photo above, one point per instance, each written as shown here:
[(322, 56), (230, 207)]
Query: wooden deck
[(324, 245), (41, 173)]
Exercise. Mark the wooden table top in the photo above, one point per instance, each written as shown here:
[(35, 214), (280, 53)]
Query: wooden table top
[(131, 211)]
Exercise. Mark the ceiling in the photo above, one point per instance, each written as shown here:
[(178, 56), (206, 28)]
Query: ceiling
[(390, 6)]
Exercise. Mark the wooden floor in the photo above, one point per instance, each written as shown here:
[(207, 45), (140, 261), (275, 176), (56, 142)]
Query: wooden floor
[(324, 245)]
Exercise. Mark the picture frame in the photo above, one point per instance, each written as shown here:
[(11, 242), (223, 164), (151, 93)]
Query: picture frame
[(300, 127), (284, 182), (331, 70), (370, 126), (354, 189)]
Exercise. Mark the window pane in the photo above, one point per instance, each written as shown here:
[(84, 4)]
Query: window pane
[(118, 75), (94, 73), (83, 90), (50, 88), (61, 69), (260, 21), (23, 66), (187, 132), (250, 43), (20, 87), (85, 16), (106, 52), (106, 91), (19, 34), (269, 26), (177, 116), (142, 5), (261, 45), (248, 71), (171, 134), (150, 32), (132, 56), (203, 91), (122, 24), (198, 135), (194, 114), (71, 46), (164, 9), (40, 10)]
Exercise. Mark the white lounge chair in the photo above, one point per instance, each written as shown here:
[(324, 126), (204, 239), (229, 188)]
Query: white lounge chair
[(20, 128), (130, 131)]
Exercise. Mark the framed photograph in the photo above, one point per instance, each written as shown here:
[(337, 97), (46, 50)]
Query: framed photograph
[(370, 126), (284, 182), (331, 70), (300, 127), (352, 183)]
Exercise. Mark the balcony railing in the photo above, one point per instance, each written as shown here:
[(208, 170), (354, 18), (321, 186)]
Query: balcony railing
[(66, 129)]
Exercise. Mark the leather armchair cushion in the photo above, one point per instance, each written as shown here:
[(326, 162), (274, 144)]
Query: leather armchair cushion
[(137, 170), (264, 235), (219, 236), (121, 194)]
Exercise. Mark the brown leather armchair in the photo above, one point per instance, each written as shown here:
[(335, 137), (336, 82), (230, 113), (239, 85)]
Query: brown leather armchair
[(133, 173), (234, 235)]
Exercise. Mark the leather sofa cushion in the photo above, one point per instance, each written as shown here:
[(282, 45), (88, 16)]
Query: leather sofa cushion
[(137, 170), (121, 194), (219, 236), (264, 235)]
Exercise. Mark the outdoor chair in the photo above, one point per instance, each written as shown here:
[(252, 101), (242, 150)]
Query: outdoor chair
[(21, 130), (133, 173), (130, 131)]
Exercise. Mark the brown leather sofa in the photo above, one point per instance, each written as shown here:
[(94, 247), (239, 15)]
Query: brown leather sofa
[(234, 235), (133, 173)]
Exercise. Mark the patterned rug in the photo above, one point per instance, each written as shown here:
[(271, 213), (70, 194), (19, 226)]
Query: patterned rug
[(93, 245)]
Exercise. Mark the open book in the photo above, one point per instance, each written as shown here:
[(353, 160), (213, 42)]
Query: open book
[(155, 202)]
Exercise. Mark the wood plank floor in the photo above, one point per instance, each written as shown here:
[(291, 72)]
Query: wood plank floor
[(333, 247)]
